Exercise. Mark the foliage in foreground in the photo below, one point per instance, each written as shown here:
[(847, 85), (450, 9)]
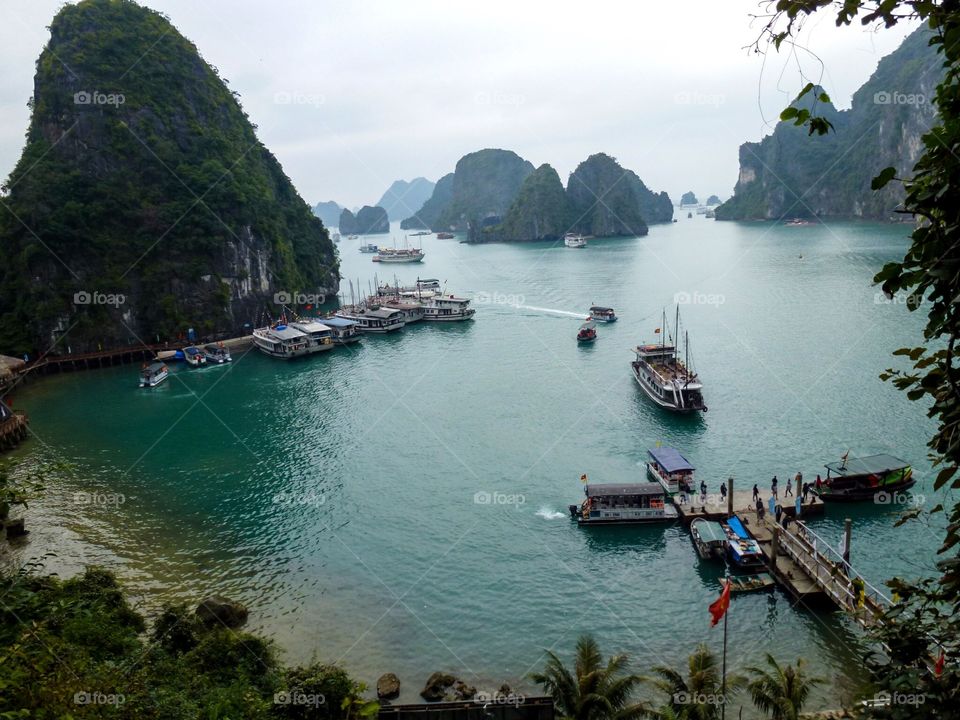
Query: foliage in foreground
[(921, 638), (76, 648)]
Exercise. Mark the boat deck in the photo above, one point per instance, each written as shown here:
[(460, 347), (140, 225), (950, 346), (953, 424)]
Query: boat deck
[(716, 508)]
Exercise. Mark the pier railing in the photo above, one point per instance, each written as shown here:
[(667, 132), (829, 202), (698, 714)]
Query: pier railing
[(827, 568)]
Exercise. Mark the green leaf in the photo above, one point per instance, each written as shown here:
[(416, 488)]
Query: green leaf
[(885, 176)]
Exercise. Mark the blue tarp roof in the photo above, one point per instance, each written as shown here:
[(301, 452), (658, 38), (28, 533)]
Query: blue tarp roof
[(337, 322), (670, 459), (737, 527)]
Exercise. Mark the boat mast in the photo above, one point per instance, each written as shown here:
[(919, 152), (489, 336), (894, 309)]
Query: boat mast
[(676, 329)]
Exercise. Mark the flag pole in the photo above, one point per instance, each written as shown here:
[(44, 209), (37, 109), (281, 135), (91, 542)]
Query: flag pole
[(723, 682)]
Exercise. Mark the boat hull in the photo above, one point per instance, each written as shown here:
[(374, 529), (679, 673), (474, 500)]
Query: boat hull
[(665, 404), (867, 494), (152, 382)]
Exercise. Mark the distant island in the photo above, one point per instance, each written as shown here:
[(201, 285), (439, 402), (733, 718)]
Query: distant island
[(688, 198), (328, 212), (368, 221), (792, 174), (164, 198), (402, 199), (495, 195), (713, 200)]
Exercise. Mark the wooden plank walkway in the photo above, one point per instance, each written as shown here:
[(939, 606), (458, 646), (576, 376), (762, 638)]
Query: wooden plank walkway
[(715, 507)]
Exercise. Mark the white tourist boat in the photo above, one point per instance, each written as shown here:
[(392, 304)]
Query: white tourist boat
[(446, 308), (319, 336), (671, 469), (664, 377), (399, 255), (216, 354), (373, 319), (574, 240), (624, 504), (344, 332), (412, 310), (281, 341), (153, 374)]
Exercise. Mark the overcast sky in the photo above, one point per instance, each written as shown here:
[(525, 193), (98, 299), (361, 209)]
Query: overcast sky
[(353, 95)]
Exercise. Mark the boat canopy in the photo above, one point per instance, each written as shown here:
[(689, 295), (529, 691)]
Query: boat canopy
[(670, 460), (870, 465), (737, 526), (337, 322), (710, 531), (285, 332), (624, 490), (154, 367)]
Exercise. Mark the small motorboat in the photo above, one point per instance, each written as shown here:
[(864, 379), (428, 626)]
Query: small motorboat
[(750, 583), (153, 374), (444, 236), (602, 314), (574, 240), (587, 332), (216, 354), (709, 539), (194, 356), (369, 248)]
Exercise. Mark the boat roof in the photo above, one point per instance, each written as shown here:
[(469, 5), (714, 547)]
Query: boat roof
[(869, 465), (656, 348), (648, 488), (588, 324), (192, 349), (155, 366), (309, 326), (709, 530), (285, 332), (383, 313), (737, 526), (338, 322), (670, 459), (600, 308)]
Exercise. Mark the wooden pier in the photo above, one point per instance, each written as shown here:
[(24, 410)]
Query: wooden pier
[(718, 508), (812, 571)]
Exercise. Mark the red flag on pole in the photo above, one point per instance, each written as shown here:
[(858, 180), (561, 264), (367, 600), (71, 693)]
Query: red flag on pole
[(938, 668), (719, 606)]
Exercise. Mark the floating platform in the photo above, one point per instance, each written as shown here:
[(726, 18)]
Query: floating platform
[(717, 509)]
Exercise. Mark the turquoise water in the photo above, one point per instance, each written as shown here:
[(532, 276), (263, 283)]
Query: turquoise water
[(337, 496)]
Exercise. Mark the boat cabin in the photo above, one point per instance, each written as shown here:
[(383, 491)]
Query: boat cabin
[(603, 314), (319, 336), (342, 330), (623, 504), (671, 469), (447, 307), (862, 478)]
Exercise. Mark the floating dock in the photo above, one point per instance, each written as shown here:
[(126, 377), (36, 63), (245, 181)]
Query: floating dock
[(718, 508)]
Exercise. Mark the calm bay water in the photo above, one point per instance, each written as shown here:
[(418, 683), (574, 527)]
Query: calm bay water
[(337, 496)]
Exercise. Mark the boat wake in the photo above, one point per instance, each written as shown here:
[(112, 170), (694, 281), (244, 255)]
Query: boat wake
[(552, 311), (548, 514)]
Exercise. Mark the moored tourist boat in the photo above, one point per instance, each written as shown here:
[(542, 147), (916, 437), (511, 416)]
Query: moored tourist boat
[(603, 314), (281, 341), (742, 550), (587, 332), (865, 478), (412, 310), (369, 248), (152, 374), (709, 539), (344, 332), (665, 378), (574, 240), (750, 583), (216, 354), (374, 319), (446, 308), (398, 255), (444, 236), (671, 469), (193, 356), (319, 335), (626, 504)]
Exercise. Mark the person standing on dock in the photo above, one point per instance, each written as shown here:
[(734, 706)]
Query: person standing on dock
[(703, 493), (759, 508), (819, 484), (789, 490), (723, 491), (756, 493), (806, 489), (773, 487)]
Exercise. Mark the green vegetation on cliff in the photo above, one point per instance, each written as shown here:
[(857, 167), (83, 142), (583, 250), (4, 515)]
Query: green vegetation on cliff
[(484, 184), (607, 200), (791, 173), (540, 211), (143, 177)]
